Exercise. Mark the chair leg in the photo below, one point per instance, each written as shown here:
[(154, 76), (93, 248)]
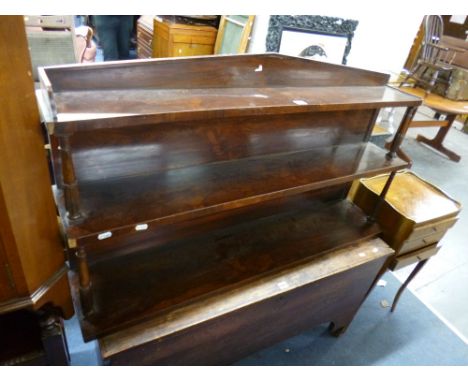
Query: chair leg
[(413, 72), (432, 82)]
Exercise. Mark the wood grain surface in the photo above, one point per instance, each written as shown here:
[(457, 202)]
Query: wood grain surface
[(227, 326), (29, 234)]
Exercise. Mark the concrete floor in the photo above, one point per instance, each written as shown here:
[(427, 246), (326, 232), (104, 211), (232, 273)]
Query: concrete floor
[(443, 283)]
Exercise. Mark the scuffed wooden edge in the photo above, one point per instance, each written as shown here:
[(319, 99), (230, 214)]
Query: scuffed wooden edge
[(32, 299)]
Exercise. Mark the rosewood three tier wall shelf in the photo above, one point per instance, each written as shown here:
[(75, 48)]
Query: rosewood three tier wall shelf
[(204, 202)]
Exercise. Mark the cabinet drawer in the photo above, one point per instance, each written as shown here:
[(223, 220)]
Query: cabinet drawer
[(441, 226), (421, 242), (143, 52), (414, 257), (144, 37), (191, 50), (204, 39), (144, 46)]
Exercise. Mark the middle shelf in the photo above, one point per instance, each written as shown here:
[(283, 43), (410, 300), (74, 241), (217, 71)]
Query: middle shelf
[(190, 192), (133, 287)]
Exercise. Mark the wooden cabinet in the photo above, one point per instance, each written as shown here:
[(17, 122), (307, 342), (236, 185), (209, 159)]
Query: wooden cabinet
[(205, 199), (145, 37), (33, 274), (175, 40), (32, 269)]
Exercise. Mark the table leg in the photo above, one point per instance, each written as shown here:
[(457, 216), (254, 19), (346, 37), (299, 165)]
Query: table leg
[(400, 153), (394, 144), (437, 142), (54, 340), (415, 271)]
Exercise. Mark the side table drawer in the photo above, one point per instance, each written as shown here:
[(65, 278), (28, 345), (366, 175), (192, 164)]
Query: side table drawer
[(421, 242), (414, 257), (441, 226)]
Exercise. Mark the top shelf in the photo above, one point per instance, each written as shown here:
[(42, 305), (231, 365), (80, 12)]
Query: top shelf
[(92, 104), (167, 90)]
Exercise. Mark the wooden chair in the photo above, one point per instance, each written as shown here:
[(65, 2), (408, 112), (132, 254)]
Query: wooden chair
[(434, 58)]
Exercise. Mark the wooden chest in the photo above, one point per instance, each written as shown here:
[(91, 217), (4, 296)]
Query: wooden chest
[(176, 40), (414, 217), (145, 37)]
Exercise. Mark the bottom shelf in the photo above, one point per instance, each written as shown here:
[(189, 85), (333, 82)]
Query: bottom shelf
[(132, 288), (225, 327)]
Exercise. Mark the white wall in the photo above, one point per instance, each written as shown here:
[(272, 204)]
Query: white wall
[(380, 43)]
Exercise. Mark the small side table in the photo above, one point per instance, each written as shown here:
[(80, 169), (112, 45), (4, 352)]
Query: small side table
[(442, 106), (414, 217)]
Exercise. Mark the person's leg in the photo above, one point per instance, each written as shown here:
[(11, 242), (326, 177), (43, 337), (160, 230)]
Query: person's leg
[(124, 35), (107, 29)]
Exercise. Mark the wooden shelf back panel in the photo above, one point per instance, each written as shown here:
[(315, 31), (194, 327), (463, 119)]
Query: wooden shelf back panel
[(127, 241), (240, 71), (196, 191), (129, 288), (110, 153)]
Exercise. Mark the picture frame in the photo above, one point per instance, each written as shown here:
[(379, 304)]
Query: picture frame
[(323, 26)]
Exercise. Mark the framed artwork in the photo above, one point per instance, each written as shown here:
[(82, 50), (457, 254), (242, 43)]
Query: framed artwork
[(319, 37), (320, 46)]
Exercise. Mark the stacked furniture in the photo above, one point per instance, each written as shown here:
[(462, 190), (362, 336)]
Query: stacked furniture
[(456, 87), (145, 37), (204, 199), (414, 217)]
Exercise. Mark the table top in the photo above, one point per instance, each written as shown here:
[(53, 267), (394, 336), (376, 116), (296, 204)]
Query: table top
[(437, 102), (413, 197)]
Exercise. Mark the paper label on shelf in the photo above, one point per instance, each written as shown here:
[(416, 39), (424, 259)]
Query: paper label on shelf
[(458, 19), (283, 285)]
